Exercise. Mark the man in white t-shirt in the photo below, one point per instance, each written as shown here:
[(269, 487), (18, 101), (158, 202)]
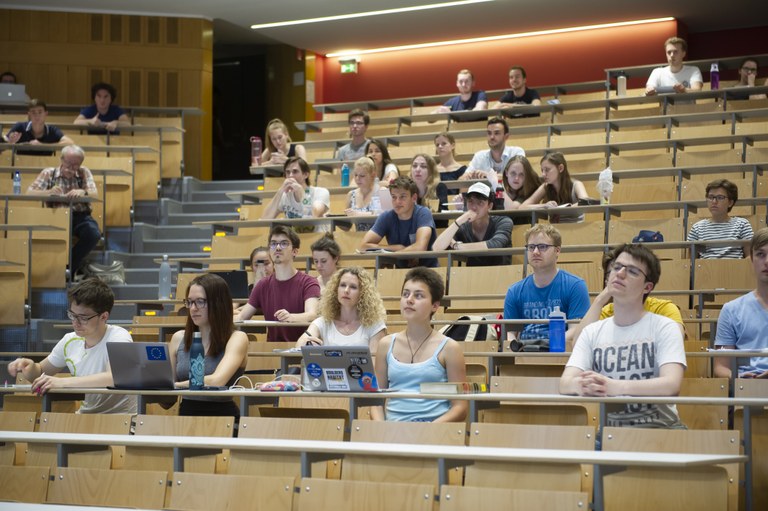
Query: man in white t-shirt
[(676, 76), (82, 352), (489, 163), (632, 353)]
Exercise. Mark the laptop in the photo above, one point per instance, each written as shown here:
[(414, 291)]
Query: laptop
[(338, 369), (140, 365), (237, 281), (13, 93)]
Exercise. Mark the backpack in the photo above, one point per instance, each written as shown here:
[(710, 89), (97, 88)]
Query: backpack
[(648, 237), (469, 333), (113, 274)]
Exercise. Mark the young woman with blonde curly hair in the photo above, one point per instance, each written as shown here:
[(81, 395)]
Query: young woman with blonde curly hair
[(351, 312)]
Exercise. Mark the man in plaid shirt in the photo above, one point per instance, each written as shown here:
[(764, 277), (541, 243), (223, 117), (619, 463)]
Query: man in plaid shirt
[(71, 180)]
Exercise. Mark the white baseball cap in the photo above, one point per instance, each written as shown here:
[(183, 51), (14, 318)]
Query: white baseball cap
[(480, 189)]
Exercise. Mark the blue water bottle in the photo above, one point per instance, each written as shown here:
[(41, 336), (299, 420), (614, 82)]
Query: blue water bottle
[(196, 362), (557, 330), (345, 175)]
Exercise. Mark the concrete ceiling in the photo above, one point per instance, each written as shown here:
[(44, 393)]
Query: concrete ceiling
[(232, 18)]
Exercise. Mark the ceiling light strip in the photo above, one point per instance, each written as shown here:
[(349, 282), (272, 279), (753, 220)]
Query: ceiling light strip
[(366, 14), (497, 37)]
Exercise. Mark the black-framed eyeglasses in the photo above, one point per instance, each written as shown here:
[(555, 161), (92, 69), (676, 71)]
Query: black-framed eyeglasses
[(749, 69), (632, 271), (543, 247), (200, 303), (282, 244), (80, 319), (716, 198)]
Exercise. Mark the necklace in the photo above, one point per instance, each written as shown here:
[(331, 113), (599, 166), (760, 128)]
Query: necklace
[(408, 340)]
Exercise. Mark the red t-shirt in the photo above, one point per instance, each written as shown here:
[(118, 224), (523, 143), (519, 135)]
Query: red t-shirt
[(270, 295)]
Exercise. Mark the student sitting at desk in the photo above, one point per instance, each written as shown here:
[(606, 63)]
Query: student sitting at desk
[(419, 354), (103, 116), (279, 145), (743, 322), (325, 257), (557, 189), (297, 199), (633, 353), (226, 350), (35, 130), (519, 181), (721, 196), (351, 312), (82, 352)]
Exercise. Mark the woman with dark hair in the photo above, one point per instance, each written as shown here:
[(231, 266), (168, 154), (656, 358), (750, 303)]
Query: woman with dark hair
[(325, 256), (385, 169), (351, 312), (103, 113), (721, 195), (557, 189), (519, 180), (297, 199), (209, 306), (445, 150)]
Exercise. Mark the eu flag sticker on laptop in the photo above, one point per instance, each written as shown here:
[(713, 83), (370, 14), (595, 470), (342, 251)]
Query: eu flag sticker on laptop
[(155, 353)]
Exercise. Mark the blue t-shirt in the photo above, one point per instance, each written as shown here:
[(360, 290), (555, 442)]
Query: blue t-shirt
[(113, 114), (51, 134), (403, 232), (743, 323), (458, 105), (526, 301)]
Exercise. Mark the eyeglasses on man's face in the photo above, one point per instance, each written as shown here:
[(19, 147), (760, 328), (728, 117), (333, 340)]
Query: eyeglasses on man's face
[(632, 271), (79, 318), (541, 247), (749, 70), (716, 198), (282, 244), (200, 303)]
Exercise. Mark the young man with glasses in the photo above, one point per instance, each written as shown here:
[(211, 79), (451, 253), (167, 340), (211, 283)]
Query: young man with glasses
[(747, 78), (721, 196), (82, 352), (633, 353), (476, 229), (288, 295), (358, 146), (536, 296), (743, 322), (71, 180)]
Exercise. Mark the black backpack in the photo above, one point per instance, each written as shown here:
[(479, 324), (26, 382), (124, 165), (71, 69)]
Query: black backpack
[(469, 333)]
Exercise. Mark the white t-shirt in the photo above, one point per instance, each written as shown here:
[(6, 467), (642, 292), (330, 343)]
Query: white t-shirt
[(303, 209), (634, 352), (664, 77), (482, 160), (70, 352), (332, 337)]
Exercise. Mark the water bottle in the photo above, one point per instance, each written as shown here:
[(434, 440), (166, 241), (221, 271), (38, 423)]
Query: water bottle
[(376, 198), (196, 362), (16, 183), (621, 85), (164, 285), (557, 330), (714, 76), (345, 175), (498, 201), (256, 150)]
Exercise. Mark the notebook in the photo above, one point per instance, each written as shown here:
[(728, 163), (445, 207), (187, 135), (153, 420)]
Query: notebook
[(140, 365), (338, 369), (237, 281), (13, 93)]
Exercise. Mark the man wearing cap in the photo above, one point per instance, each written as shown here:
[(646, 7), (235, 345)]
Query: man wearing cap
[(477, 230)]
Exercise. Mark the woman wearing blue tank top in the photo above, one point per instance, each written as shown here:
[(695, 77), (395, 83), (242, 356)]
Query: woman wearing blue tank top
[(419, 354)]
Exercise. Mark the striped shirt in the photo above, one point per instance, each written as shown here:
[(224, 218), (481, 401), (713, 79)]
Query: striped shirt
[(735, 228)]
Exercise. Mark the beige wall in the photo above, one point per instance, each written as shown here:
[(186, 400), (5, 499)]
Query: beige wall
[(152, 61)]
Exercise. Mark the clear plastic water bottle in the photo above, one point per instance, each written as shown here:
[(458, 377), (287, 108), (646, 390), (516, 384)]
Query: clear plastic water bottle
[(16, 183), (164, 284), (557, 330), (256, 149), (714, 76), (345, 175), (196, 362), (376, 198)]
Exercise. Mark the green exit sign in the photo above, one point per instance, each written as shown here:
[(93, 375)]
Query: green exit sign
[(348, 66)]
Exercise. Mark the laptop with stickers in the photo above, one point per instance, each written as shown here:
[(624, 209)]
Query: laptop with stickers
[(338, 369), (140, 365)]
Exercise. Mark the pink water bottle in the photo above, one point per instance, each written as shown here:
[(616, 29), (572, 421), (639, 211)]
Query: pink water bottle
[(255, 150)]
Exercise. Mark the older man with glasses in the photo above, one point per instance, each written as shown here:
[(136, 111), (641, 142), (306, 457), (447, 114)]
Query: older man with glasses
[(536, 296), (83, 352), (71, 180), (288, 295)]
